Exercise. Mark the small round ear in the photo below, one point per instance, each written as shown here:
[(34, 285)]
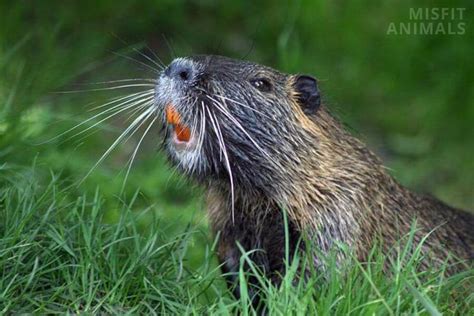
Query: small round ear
[(307, 92)]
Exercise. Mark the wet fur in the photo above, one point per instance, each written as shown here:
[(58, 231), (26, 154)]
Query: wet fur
[(332, 186)]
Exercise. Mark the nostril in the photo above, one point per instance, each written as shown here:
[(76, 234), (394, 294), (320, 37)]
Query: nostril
[(184, 75), (180, 70)]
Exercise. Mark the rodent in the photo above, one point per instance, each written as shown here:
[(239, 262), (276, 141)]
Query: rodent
[(261, 141)]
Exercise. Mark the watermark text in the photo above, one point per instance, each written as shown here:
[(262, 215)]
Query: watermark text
[(431, 21)]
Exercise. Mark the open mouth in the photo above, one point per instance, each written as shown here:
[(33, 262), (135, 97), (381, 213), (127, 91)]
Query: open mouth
[(182, 133)]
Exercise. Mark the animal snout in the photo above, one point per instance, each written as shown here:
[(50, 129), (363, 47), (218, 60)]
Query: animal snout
[(181, 70)]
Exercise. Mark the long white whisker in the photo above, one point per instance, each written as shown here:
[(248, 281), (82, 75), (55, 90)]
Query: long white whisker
[(227, 163), (118, 140), (136, 149), (137, 61), (128, 96), (238, 125), (245, 106), (138, 109), (112, 115), (145, 105), (156, 56), (120, 80), (121, 106), (126, 86), (202, 129), (194, 158), (144, 55)]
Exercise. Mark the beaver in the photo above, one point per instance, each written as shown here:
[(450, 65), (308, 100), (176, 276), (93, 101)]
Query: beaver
[(264, 145)]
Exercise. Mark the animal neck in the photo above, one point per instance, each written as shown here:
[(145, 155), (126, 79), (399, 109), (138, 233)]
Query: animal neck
[(329, 183), (331, 168)]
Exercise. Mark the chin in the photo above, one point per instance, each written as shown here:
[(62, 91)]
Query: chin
[(187, 155)]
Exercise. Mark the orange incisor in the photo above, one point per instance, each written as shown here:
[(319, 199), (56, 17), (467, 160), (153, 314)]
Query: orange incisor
[(183, 133)]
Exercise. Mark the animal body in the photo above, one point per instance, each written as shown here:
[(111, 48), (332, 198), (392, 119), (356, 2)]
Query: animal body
[(262, 143)]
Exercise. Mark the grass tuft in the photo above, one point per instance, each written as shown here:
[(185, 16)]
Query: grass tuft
[(59, 254)]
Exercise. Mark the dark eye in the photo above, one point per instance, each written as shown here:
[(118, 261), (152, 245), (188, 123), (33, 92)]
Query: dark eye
[(262, 84)]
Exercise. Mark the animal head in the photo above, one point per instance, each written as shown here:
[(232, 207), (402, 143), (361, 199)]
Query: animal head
[(235, 120)]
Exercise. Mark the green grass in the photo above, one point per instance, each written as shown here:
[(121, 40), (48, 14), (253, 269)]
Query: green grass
[(58, 254), (91, 247)]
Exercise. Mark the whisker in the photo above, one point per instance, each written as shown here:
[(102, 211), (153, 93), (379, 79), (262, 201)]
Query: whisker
[(156, 56), (132, 158), (273, 119), (124, 42), (238, 125), (141, 107), (120, 110), (146, 114), (202, 129), (119, 80), (138, 109), (245, 106), (164, 137), (173, 52), (122, 106), (194, 158), (227, 163), (108, 88), (148, 58), (137, 61), (142, 93)]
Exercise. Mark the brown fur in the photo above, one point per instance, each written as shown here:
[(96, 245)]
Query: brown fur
[(343, 187), (333, 188)]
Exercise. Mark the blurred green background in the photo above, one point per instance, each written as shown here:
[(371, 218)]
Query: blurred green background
[(410, 97)]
